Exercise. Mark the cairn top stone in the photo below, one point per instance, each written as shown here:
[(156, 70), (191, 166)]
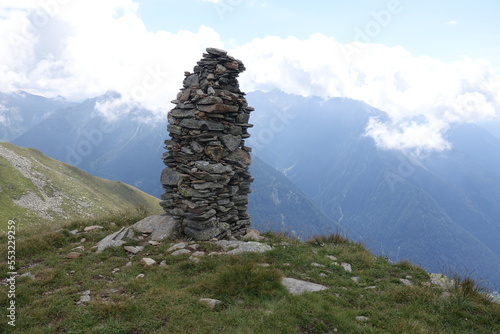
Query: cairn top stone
[(216, 51)]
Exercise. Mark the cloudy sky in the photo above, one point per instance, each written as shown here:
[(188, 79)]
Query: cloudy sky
[(428, 64)]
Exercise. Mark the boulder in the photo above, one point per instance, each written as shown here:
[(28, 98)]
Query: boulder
[(160, 227), (298, 287)]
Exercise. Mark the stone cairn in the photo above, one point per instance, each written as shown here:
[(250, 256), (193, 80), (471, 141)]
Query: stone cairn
[(206, 180)]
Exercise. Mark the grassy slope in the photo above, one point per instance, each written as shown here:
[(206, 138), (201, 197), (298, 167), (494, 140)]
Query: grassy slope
[(166, 299), (82, 194)]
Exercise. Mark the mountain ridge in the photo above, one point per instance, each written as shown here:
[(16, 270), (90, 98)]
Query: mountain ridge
[(36, 188)]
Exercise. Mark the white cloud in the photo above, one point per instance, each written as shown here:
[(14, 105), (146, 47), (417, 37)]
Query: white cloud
[(409, 135), (80, 49), (388, 78), (451, 23), (84, 48)]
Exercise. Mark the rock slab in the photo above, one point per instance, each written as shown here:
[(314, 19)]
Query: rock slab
[(241, 247), (298, 287), (160, 227)]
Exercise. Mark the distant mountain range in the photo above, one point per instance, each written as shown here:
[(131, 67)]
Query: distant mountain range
[(20, 111), (441, 211), (316, 173)]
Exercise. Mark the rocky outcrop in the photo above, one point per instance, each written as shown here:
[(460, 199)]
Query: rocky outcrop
[(206, 180)]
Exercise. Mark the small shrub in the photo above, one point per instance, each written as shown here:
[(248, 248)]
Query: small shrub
[(465, 286), (142, 211), (334, 238)]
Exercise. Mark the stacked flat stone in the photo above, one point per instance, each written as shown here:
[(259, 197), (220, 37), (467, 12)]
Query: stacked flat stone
[(206, 180)]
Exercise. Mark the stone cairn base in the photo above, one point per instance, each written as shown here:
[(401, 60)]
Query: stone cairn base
[(206, 180)]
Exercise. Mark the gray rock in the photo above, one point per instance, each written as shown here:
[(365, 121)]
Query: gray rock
[(84, 298), (216, 52), (210, 100), (231, 142), (406, 282), (217, 168), (197, 147), (148, 262), (252, 235), (30, 275), (182, 113), (240, 157), (298, 287), (177, 246), (180, 252), (160, 227), (220, 69), (203, 235), (241, 247), (207, 185), (201, 216), (191, 80), (174, 129), (347, 267), (201, 124), (131, 249), (115, 239), (218, 108), (442, 281)]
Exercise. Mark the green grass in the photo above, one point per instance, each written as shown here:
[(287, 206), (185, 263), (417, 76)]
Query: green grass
[(253, 300), (80, 194)]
